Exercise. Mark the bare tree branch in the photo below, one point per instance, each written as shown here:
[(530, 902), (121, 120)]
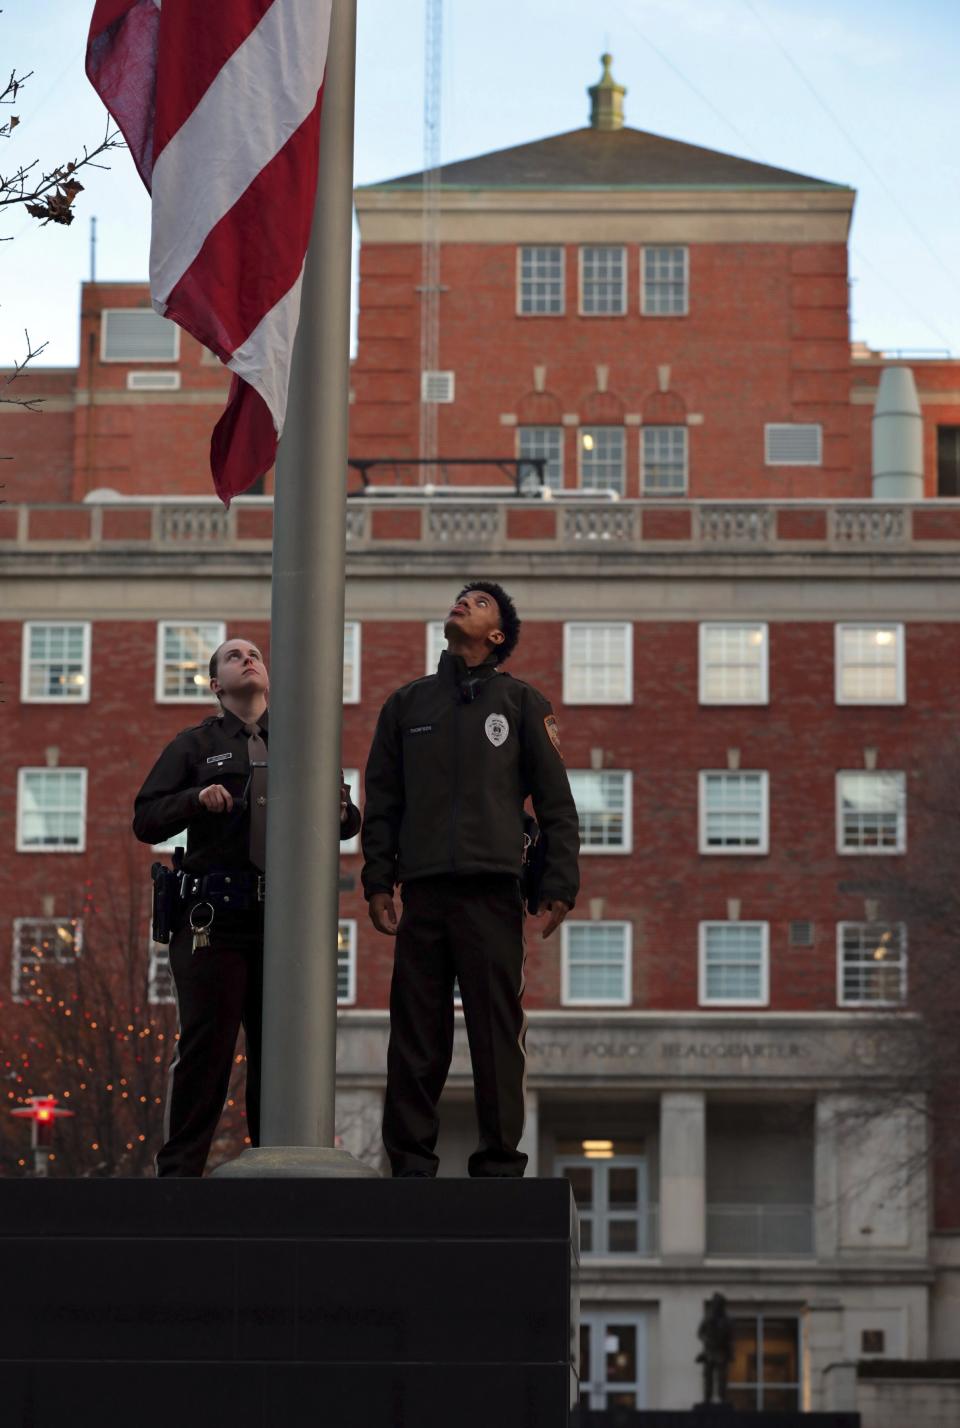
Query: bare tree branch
[(50, 200), (31, 404)]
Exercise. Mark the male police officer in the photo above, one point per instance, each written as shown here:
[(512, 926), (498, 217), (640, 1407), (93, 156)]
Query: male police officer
[(453, 758), (212, 779)]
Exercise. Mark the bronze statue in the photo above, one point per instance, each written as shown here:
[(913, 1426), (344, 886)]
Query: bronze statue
[(716, 1335)]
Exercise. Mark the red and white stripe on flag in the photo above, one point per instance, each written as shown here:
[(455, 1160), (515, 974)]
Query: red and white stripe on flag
[(220, 105)]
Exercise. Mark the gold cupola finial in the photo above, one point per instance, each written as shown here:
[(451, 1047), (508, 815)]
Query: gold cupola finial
[(606, 99)]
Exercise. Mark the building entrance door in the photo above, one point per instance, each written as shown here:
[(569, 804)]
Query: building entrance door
[(613, 1360)]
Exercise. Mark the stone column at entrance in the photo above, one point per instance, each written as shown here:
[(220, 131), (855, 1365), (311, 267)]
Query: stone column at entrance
[(531, 1132), (681, 1310), (683, 1158)]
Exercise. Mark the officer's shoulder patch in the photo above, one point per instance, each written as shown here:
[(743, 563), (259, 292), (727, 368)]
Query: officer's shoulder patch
[(553, 731)]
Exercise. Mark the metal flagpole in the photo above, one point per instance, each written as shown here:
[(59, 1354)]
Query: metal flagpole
[(306, 658)]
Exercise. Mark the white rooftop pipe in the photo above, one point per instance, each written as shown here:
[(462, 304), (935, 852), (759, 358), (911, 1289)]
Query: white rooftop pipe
[(897, 438)]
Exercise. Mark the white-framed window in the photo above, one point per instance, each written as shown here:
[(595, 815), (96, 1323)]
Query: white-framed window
[(604, 799), (170, 845), (40, 943), (596, 964), (733, 663), (436, 644), (664, 291), (764, 1373), (871, 812), (183, 660), (597, 662), (351, 778), (871, 964), (734, 812), (603, 282), (56, 662), (663, 460), (793, 444), (351, 662), (51, 810), (603, 459), (346, 962), (545, 442), (609, 1183), (161, 991), (870, 663), (613, 1359), (138, 334), (540, 281), (734, 964)]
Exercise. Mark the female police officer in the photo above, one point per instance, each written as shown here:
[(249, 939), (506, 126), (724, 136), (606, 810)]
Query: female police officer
[(212, 780)]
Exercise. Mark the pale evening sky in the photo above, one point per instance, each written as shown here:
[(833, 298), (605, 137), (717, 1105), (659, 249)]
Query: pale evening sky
[(861, 92)]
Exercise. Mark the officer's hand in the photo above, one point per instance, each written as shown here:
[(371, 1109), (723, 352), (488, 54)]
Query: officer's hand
[(344, 799), (383, 914), (216, 799), (558, 911)]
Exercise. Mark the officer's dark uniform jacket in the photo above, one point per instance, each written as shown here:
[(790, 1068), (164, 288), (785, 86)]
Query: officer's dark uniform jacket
[(169, 801), (453, 758)]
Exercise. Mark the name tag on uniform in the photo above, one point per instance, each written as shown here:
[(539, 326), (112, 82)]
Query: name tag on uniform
[(421, 729), (218, 758)]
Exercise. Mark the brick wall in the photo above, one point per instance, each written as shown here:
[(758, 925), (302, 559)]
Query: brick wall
[(664, 888), (766, 340)]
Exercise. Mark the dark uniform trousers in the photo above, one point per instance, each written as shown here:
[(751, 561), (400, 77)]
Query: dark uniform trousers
[(469, 928), (219, 988)]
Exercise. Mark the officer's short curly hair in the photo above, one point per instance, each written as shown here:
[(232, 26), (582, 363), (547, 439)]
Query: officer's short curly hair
[(509, 619)]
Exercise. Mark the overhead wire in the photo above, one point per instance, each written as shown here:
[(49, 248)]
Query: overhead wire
[(864, 159), (761, 158)]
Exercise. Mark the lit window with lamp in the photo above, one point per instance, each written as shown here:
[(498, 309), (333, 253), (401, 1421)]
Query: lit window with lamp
[(39, 945), (870, 664), (56, 662), (609, 1182), (613, 1359), (183, 660), (871, 964), (603, 459), (764, 1373), (346, 962)]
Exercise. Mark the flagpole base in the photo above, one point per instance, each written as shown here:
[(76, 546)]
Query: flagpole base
[(295, 1162)]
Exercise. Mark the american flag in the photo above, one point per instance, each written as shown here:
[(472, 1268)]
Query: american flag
[(219, 102)]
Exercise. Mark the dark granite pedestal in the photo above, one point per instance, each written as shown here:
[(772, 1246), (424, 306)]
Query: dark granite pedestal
[(708, 1417), (286, 1303)]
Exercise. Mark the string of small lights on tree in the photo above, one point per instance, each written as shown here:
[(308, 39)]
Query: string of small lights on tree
[(83, 1030)]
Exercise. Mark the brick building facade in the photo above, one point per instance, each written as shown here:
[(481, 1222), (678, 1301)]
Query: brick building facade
[(752, 662)]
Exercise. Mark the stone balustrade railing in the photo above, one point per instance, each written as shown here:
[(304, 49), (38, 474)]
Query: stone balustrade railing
[(484, 524)]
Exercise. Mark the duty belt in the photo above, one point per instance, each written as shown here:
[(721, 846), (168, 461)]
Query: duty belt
[(224, 889)]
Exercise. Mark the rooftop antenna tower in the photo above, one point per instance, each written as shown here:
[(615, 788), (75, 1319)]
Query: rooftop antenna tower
[(430, 249)]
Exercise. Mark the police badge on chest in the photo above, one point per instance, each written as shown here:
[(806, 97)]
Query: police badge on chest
[(496, 729)]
